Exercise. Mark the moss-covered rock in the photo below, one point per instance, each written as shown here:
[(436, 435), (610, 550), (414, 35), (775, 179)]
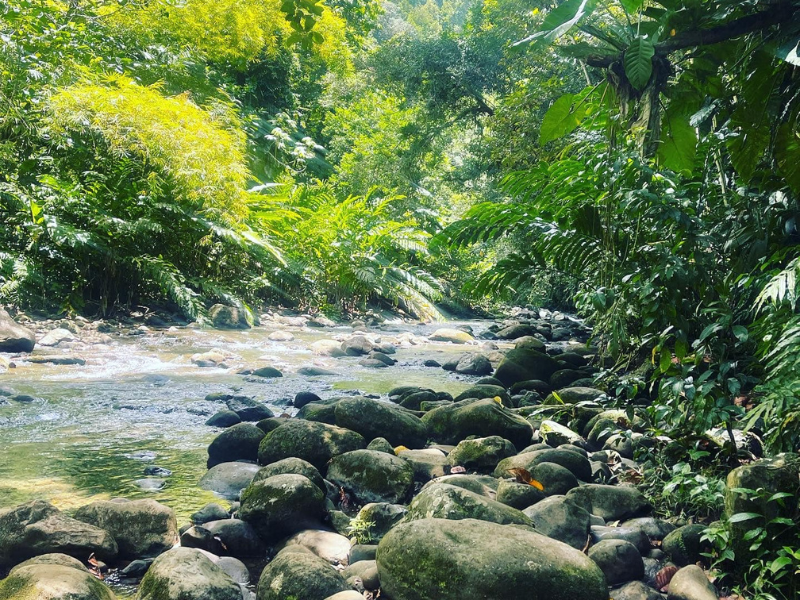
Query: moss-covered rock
[(427, 464), (444, 501), (573, 395), (518, 495), (556, 434), (612, 502), (293, 465), (228, 479), (475, 560), (560, 519), (483, 485), (373, 419), (523, 364), (282, 505), (481, 454), (574, 462), (372, 476), (555, 479), (239, 442), (619, 560), (299, 576), (314, 442), (375, 519), (323, 411), (53, 582), (482, 418), (485, 391), (684, 545), (414, 400), (381, 445), (187, 574)]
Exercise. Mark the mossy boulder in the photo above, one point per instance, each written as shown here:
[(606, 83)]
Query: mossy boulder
[(239, 442), (518, 495), (41, 581), (141, 528), (481, 454), (565, 377), (611, 502), (684, 545), (485, 391), (228, 479), (323, 411), (577, 464), (229, 317), (475, 560), (314, 442), (427, 464), (556, 434), (573, 395), (414, 400), (282, 505), (292, 465), (483, 485), (483, 418), (13, 336), (373, 419), (372, 476), (555, 479), (524, 364), (377, 518), (444, 501), (619, 560), (187, 574), (297, 575), (454, 336)]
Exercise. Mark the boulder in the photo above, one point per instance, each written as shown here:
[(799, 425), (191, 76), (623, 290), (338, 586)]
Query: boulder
[(320, 412), (574, 395), (685, 545), (445, 501), (329, 546), (13, 336), (560, 519), (210, 512), (637, 537), (522, 364), (479, 391), (52, 559), (475, 560), (555, 479), (314, 442), (282, 505), (141, 528), (565, 377), (293, 465), (612, 502), (517, 331), (427, 464), (691, 583), (373, 419), (228, 479), (483, 418), (239, 442), (381, 445), (238, 537), (518, 495), (556, 434), (619, 560), (224, 418), (481, 454), (414, 400), (328, 348), (228, 317), (573, 461), (454, 336), (377, 518), (372, 476), (303, 398), (636, 590), (474, 364), (299, 575), (43, 581), (268, 373), (55, 336), (358, 345), (248, 409), (187, 574)]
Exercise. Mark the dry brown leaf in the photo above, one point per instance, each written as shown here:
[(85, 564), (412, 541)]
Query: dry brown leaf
[(664, 576)]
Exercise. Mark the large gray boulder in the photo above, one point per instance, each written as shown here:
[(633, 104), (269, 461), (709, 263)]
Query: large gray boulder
[(576, 463), (314, 442), (228, 479), (141, 528), (187, 574), (483, 418), (228, 317), (281, 505), (619, 560), (372, 476), (13, 336), (47, 581), (612, 502), (445, 501), (296, 466), (299, 575), (454, 336), (691, 583), (238, 537), (523, 364), (38, 527), (239, 442), (373, 419), (481, 454), (560, 519), (475, 560)]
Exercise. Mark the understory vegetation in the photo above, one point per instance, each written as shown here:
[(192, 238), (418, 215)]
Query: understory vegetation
[(634, 161)]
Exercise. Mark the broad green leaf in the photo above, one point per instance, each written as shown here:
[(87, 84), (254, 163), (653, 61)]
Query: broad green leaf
[(744, 516), (787, 153), (789, 52), (631, 6), (780, 563), (560, 20), (678, 147), (740, 332), (639, 62), (560, 120)]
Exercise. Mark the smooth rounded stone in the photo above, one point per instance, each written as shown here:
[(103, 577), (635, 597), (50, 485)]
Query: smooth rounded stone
[(53, 582), (454, 336), (136, 568), (384, 358), (239, 442), (320, 412), (373, 419), (518, 495), (523, 364), (280, 336), (55, 336), (150, 484), (201, 538), (38, 527), (303, 398), (555, 479), (612, 502), (299, 575), (426, 464), (13, 336), (210, 512), (482, 418), (238, 537), (578, 465), (555, 434), (479, 392), (474, 364), (327, 348), (574, 395), (56, 558), (358, 345), (430, 405), (558, 518), (379, 517), (444, 501), (684, 545), (600, 431), (532, 385), (619, 560), (573, 447), (228, 317), (267, 425), (248, 409), (372, 363), (481, 454), (228, 479), (346, 595), (636, 590), (234, 568), (565, 377), (141, 528), (314, 442), (483, 485), (329, 546), (157, 471), (691, 583), (282, 505), (414, 401), (267, 372), (431, 363), (654, 529), (359, 552), (517, 331), (475, 560), (187, 574), (364, 573), (381, 444), (372, 476), (297, 466), (637, 537)]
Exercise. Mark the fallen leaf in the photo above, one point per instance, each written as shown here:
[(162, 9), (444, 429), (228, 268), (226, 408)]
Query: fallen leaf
[(400, 449), (458, 469), (664, 576), (524, 476)]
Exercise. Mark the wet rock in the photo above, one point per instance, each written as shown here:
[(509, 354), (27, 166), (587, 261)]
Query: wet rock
[(574, 395), (578, 465), (292, 465), (303, 398), (684, 545), (372, 476), (248, 409), (691, 583), (565, 377), (228, 479), (13, 336), (240, 442), (238, 537), (619, 560), (521, 364), (518, 495), (136, 568), (141, 528), (513, 332), (560, 519), (481, 454), (363, 573), (444, 501), (414, 401), (210, 512), (378, 518), (187, 574), (280, 336), (314, 442), (485, 391), (312, 371), (358, 345), (228, 317), (224, 418), (636, 590), (474, 364), (373, 419), (328, 546), (53, 582), (475, 560), (612, 502), (201, 538), (299, 575), (381, 444), (282, 505), (320, 412), (267, 372), (38, 527), (157, 471), (454, 336), (55, 336), (482, 418), (328, 348), (636, 537), (385, 359)]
